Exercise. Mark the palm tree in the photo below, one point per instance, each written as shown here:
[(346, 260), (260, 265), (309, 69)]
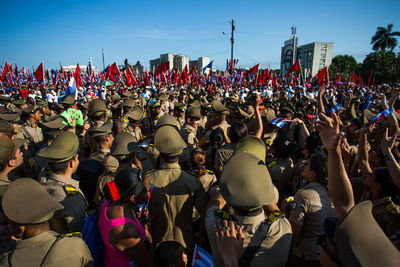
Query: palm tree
[(384, 38)]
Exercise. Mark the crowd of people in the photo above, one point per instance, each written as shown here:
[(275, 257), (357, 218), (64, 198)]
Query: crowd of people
[(287, 176)]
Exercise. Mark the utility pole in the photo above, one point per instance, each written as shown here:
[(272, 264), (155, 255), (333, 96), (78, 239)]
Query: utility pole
[(293, 28), (102, 51), (232, 41)]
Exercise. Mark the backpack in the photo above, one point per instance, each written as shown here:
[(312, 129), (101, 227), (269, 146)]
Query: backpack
[(92, 237)]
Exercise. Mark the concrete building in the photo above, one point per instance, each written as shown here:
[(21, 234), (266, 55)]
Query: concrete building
[(313, 56), (200, 63), (169, 57), (154, 63), (82, 68), (180, 62)]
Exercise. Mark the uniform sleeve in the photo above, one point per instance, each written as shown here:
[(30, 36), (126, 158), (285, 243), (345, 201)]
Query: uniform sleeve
[(200, 199), (74, 212), (299, 208)]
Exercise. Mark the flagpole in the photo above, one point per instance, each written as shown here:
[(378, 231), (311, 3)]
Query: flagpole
[(301, 72)]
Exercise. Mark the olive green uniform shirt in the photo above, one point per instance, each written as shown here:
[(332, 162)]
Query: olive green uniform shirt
[(32, 134), (311, 206), (74, 213), (274, 250), (136, 132), (188, 134), (66, 251), (175, 194), (281, 171)]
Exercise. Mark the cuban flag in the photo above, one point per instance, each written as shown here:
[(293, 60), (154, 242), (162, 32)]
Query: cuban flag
[(367, 102), (279, 122), (74, 83), (209, 66), (335, 108), (382, 115), (201, 258)]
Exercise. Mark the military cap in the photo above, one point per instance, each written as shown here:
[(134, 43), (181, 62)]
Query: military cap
[(14, 117), (168, 141), (246, 183), (39, 101), (136, 114), (163, 97), (205, 105), (286, 111), (105, 128), (195, 103), (31, 108), (96, 107), (4, 98), (252, 145), (167, 120), (84, 105), (69, 100), (361, 242), (64, 147), (130, 103), (180, 106), (219, 107), (116, 97), (243, 113), (8, 147), (27, 202), (56, 124), (126, 93), (111, 163), (193, 112), (19, 101), (183, 92), (269, 114), (156, 104), (124, 144), (5, 127)]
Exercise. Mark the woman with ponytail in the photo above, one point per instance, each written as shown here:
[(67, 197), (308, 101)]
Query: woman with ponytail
[(125, 239)]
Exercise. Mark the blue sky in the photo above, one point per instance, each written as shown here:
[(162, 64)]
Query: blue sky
[(72, 31)]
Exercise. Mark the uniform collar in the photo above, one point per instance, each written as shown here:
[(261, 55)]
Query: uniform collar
[(64, 180), (4, 178), (191, 128), (37, 240), (170, 165)]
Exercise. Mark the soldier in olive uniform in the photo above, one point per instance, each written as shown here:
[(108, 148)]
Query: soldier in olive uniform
[(32, 132), (62, 159), (28, 207), (189, 130), (150, 121), (175, 192), (15, 120), (179, 113), (133, 127), (218, 118), (104, 138)]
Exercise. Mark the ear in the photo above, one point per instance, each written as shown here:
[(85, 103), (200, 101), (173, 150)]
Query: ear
[(11, 163), (132, 199)]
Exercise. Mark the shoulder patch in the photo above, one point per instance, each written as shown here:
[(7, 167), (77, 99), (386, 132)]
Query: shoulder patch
[(73, 234), (271, 164), (188, 131), (391, 208), (69, 190), (210, 172), (293, 205), (150, 171)]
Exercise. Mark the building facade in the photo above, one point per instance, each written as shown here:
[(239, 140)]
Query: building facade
[(314, 56), (200, 63), (180, 62)]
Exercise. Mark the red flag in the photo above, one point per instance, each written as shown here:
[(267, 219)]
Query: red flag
[(253, 69), (370, 76), (77, 76), (322, 76), (39, 73), (163, 67), (295, 67), (113, 73), (5, 70)]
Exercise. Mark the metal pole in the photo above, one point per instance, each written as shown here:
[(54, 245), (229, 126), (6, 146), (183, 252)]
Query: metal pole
[(102, 51), (232, 41)]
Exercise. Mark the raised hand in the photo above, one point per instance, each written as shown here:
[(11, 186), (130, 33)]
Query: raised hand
[(329, 131)]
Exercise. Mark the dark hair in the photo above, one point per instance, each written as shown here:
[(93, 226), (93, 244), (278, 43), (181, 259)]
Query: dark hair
[(283, 146), (382, 177), (198, 161), (217, 137), (313, 143), (128, 183), (237, 131), (59, 166), (319, 165), (168, 253), (4, 163), (169, 159)]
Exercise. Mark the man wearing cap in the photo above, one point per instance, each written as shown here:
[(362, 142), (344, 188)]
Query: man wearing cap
[(104, 138), (175, 192), (189, 130), (218, 119), (28, 208), (69, 102), (63, 162), (247, 188), (150, 121), (122, 156), (10, 158), (134, 118), (32, 132), (179, 113), (6, 130), (205, 109), (15, 120), (97, 112), (50, 131)]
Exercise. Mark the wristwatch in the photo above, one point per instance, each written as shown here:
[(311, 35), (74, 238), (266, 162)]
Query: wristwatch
[(388, 157)]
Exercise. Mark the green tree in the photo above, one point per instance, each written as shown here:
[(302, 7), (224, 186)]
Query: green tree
[(385, 65), (344, 64), (384, 38)]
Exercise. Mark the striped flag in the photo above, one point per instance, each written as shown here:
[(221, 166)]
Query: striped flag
[(279, 122), (201, 258), (382, 115), (335, 108)]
